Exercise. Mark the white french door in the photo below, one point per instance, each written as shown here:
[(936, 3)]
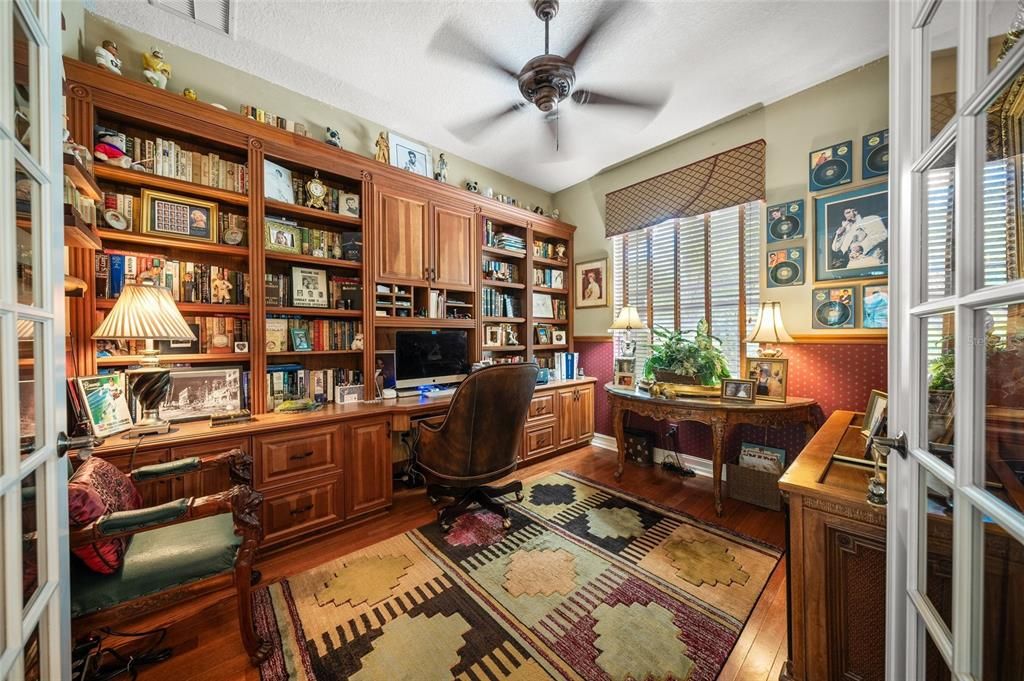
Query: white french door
[(955, 583), (34, 613)]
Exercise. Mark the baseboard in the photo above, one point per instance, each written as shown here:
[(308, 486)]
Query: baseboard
[(604, 442)]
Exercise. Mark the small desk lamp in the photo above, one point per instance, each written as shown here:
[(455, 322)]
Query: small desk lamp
[(770, 329), (148, 313), (628, 320)]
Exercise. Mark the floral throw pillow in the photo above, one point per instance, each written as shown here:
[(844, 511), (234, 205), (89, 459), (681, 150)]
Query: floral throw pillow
[(98, 488)]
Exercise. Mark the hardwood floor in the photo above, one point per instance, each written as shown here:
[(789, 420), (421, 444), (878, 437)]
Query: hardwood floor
[(204, 633)]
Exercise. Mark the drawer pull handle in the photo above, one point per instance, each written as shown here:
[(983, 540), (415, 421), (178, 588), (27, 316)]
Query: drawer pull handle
[(540, 410), (299, 457), (304, 509)]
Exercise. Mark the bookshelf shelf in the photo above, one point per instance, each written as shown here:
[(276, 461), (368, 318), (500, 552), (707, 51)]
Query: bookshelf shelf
[(537, 260), (424, 322), (504, 320), (166, 360), (315, 312), (549, 320), (503, 284), (137, 178), (115, 236), (502, 252), (293, 210), (296, 353), (77, 232), (314, 260), (540, 347), (82, 178), (545, 289), (504, 348), (189, 308)]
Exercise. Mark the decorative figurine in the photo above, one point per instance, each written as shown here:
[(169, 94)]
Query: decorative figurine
[(538, 210), (489, 193), (317, 191), (472, 186), (108, 149), (333, 137), (357, 342), (383, 150), (189, 93), (155, 69), (560, 252), (442, 168), (555, 213), (511, 335), (106, 57), (220, 289)]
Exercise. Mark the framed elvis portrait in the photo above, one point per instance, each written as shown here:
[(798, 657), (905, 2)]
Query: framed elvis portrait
[(179, 217), (851, 234)]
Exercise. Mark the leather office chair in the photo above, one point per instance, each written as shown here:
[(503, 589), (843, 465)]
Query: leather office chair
[(478, 441)]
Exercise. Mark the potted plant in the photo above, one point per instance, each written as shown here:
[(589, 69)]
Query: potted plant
[(680, 360)]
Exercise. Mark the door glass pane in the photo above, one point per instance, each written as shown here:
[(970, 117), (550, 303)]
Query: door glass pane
[(33, 668), (937, 500), (1002, 609), (939, 244), (1003, 22), (1004, 402), (31, 539), (28, 207), (30, 336), (939, 356), (935, 668), (943, 38), (26, 56)]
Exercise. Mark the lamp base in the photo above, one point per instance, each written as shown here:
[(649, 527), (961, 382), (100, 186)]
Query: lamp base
[(149, 385), (770, 353)]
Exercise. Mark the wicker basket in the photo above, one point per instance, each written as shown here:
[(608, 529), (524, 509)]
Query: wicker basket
[(760, 488)]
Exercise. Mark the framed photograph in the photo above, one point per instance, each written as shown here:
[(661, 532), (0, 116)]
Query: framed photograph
[(352, 246), (309, 287), (282, 236), (874, 306), (624, 379), (852, 234), (492, 336), (384, 369), (558, 336), (542, 306), (831, 166), (106, 403), (179, 217), (181, 347), (785, 267), (410, 156), (834, 308), (876, 409), (770, 376), (592, 283), (786, 221), (738, 389), (348, 205), (300, 340), (875, 155), (557, 279), (277, 183), (241, 346), (198, 393), (543, 332)]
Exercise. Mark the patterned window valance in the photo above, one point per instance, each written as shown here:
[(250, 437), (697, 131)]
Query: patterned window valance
[(728, 179)]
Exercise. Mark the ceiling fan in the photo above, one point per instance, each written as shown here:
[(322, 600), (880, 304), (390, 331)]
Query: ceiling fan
[(546, 80)]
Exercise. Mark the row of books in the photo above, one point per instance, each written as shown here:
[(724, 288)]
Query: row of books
[(188, 282), (342, 292), (293, 381), (495, 303), (215, 335), (550, 250), (85, 206), (545, 276), (168, 159), (506, 240), (298, 334), (500, 271), (319, 243), (274, 120), (562, 365)]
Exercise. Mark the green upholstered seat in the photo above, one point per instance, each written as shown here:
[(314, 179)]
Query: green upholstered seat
[(158, 560)]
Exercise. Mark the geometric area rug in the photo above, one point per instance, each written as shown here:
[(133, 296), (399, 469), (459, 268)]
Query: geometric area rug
[(588, 583)]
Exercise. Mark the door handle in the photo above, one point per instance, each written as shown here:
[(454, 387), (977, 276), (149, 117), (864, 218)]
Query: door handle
[(67, 444), (899, 443)]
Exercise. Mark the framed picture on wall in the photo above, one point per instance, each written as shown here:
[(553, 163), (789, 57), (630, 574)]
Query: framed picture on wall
[(592, 283), (785, 267), (410, 156), (874, 305), (851, 234), (180, 217)]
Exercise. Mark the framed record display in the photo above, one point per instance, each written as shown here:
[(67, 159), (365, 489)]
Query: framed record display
[(874, 155), (851, 234), (786, 221), (834, 308), (785, 267), (831, 166)]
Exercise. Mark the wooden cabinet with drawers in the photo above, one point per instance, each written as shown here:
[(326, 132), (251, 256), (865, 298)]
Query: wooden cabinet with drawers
[(575, 415), (301, 507), (558, 418), (367, 465), (296, 454)]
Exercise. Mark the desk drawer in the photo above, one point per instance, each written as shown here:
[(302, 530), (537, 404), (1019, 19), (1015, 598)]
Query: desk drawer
[(302, 508), (539, 440), (542, 407), (296, 454)]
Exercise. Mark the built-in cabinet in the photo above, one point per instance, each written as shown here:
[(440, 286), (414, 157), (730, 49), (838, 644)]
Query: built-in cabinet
[(559, 419), (453, 257), (367, 465), (575, 414)]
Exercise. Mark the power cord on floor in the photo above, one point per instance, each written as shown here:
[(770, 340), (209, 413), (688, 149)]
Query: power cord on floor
[(94, 662), (674, 465)]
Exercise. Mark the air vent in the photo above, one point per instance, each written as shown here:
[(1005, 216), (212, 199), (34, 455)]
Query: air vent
[(214, 14)]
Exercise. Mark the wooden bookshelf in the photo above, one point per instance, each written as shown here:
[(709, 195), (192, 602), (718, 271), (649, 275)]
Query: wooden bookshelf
[(314, 260), (502, 252), (312, 214), (503, 284), (315, 312), (503, 320), (151, 241), (80, 176), (556, 291), (313, 353), (547, 262), (144, 180), (168, 359), (190, 308)]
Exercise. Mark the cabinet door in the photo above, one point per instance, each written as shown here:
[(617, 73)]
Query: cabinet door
[(367, 466), (585, 412), (566, 416), (401, 231), (453, 260), (215, 478)]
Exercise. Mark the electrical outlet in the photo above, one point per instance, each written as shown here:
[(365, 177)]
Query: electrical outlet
[(671, 430)]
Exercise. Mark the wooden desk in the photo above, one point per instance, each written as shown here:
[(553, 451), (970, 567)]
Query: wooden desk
[(721, 415)]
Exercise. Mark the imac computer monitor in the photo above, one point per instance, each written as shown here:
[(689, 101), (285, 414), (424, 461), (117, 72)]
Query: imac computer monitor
[(430, 357)]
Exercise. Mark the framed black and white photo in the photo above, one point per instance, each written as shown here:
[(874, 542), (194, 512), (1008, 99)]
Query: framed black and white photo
[(410, 156), (542, 306), (348, 205), (198, 393), (492, 336), (309, 287), (300, 340), (852, 234), (179, 217), (277, 183), (738, 389)]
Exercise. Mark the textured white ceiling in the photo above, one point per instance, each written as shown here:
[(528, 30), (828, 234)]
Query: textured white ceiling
[(373, 58)]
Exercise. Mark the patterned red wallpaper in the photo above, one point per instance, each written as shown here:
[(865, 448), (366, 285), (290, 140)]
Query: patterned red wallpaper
[(838, 376)]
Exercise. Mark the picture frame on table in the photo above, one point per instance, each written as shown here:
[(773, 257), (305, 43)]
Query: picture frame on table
[(877, 408), (492, 336), (300, 340), (309, 287), (770, 376), (277, 183), (739, 390), (201, 392), (851, 234), (105, 401), (624, 379), (282, 236), (179, 217), (411, 156), (592, 283)]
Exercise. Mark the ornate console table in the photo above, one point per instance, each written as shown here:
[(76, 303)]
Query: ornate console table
[(721, 415)]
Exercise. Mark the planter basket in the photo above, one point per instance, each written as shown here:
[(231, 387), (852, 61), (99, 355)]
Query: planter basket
[(671, 384)]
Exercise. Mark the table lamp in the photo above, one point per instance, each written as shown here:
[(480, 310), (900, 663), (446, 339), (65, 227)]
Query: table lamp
[(770, 329), (628, 320), (147, 313)]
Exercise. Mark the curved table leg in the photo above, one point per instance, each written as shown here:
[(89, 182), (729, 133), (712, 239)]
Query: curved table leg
[(718, 433), (620, 436)]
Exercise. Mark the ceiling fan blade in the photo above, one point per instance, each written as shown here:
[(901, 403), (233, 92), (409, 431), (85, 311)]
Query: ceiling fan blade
[(471, 129), (606, 14), (451, 41), (649, 103)]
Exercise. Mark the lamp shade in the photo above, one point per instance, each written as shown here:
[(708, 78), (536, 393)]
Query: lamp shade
[(144, 313), (627, 320), (770, 328)]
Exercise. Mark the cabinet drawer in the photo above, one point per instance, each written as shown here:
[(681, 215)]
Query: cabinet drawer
[(215, 478), (301, 508), (294, 454), (542, 407), (539, 440)]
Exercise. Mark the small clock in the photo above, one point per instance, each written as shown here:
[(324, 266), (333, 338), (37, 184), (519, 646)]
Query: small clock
[(317, 192)]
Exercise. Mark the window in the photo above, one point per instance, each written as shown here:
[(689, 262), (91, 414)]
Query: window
[(681, 271)]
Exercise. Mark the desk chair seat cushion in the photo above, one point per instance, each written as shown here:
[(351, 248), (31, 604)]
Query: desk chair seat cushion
[(96, 489), (158, 560)]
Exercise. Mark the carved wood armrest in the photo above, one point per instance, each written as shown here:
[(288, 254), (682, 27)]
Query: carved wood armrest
[(239, 465)]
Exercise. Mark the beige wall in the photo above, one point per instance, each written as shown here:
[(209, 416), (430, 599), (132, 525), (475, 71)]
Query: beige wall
[(222, 84), (846, 107)]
